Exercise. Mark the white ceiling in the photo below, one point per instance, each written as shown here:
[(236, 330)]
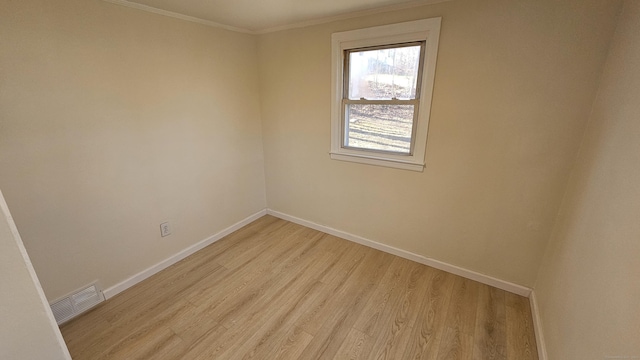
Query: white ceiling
[(264, 15)]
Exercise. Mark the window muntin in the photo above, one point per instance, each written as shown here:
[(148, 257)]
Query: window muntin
[(381, 97)]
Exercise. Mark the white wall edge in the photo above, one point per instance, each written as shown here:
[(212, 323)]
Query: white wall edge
[(456, 270), (537, 327), (120, 287), (4, 209)]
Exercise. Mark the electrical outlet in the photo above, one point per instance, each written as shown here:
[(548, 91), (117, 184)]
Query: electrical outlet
[(165, 229)]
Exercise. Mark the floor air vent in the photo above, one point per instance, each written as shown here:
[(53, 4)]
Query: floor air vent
[(76, 303)]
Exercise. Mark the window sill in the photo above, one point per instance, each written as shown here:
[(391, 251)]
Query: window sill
[(378, 161)]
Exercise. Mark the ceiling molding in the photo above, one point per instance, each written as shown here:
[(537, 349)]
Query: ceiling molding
[(176, 15), (296, 25), (350, 15)]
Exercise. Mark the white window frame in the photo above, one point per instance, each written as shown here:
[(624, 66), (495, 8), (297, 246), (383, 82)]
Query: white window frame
[(427, 30)]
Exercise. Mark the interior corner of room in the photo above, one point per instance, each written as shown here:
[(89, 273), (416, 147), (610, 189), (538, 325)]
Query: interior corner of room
[(131, 139)]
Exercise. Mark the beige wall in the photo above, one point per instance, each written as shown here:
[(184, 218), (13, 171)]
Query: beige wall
[(588, 289), (514, 85), (113, 120), (24, 310)]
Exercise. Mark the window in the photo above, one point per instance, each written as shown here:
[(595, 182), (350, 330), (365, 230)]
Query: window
[(381, 89)]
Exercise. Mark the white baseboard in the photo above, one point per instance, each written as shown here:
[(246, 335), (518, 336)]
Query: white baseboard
[(469, 274), (537, 326), (118, 288)]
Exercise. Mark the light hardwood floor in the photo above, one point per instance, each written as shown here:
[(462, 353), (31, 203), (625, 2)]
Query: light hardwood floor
[(277, 290)]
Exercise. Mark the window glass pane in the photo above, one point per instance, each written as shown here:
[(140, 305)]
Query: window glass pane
[(384, 73), (379, 127)]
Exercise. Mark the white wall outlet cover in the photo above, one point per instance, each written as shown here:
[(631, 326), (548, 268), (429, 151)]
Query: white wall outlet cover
[(165, 229)]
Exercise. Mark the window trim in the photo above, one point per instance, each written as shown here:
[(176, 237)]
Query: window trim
[(427, 30)]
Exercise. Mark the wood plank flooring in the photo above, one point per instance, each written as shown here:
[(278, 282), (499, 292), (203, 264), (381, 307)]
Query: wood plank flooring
[(277, 290)]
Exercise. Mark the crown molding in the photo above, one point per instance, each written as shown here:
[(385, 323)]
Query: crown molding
[(350, 15), (176, 15), (296, 25)]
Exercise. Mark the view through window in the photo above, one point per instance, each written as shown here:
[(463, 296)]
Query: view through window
[(381, 97)]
